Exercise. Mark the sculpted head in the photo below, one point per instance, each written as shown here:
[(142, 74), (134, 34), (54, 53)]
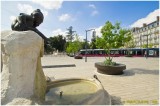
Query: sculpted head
[(37, 17)]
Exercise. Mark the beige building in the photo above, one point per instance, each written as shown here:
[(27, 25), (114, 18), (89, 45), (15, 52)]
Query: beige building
[(146, 33)]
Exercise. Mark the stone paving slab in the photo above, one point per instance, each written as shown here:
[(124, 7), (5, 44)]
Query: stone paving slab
[(138, 85)]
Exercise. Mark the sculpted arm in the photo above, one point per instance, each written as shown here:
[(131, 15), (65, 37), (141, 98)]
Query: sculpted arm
[(38, 32)]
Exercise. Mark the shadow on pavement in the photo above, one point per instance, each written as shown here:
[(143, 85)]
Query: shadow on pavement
[(59, 66), (116, 100), (133, 71)]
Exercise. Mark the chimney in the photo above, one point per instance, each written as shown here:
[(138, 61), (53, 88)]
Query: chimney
[(144, 25), (157, 18)]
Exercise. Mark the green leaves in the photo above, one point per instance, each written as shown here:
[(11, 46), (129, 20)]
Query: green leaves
[(113, 36), (74, 46), (58, 42), (109, 62), (101, 43), (110, 36)]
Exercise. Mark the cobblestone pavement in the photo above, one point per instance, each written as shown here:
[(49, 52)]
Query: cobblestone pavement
[(138, 85)]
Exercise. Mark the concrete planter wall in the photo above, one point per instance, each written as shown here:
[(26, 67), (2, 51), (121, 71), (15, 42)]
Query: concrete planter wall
[(110, 70)]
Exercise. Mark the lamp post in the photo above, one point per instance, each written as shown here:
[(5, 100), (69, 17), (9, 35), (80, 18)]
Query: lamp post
[(86, 42), (141, 45), (147, 46)]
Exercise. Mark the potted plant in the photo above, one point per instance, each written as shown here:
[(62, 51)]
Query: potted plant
[(113, 36)]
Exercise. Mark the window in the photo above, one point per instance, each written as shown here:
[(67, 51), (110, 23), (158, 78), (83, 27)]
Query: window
[(151, 52), (150, 26), (144, 29), (155, 24)]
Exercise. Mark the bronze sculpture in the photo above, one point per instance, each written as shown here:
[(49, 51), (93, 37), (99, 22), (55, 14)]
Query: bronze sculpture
[(26, 22)]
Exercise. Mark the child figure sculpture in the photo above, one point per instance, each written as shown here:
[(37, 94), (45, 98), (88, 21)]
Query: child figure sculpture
[(26, 22)]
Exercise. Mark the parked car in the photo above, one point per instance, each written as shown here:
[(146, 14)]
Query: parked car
[(78, 57)]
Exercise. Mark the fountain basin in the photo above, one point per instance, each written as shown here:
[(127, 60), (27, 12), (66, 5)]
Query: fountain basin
[(76, 91)]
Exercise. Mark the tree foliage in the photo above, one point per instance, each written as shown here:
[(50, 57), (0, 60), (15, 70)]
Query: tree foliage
[(150, 45), (113, 36), (130, 43), (58, 42), (93, 42), (70, 34), (110, 34), (75, 46), (48, 48)]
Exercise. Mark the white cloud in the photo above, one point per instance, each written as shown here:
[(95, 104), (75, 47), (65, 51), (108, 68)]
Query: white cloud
[(25, 8), (64, 33), (56, 4), (98, 31), (45, 13), (94, 10), (94, 13), (81, 38), (59, 32), (64, 17), (148, 19), (12, 18), (92, 6), (28, 9)]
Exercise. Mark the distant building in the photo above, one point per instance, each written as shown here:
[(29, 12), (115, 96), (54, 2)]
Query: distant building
[(151, 31)]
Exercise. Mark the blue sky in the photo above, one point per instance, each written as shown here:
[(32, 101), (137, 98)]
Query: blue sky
[(82, 15)]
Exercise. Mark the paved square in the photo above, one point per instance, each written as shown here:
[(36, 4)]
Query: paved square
[(138, 85)]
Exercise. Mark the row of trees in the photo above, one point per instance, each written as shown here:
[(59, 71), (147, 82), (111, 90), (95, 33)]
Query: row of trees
[(113, 36), (55, 43)]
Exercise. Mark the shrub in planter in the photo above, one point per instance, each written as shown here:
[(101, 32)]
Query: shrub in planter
[(116, 69), (113, 36)]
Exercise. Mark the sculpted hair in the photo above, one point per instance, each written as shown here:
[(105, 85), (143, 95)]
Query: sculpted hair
[(37, 13)]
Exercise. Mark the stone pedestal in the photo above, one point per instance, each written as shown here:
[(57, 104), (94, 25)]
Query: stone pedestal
[(22, 76)]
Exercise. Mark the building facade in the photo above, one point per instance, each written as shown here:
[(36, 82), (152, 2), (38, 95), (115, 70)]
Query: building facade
[(148, 34)]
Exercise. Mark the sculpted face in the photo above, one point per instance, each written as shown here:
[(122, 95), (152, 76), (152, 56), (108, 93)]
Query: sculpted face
[(37, 17), (37, 21)]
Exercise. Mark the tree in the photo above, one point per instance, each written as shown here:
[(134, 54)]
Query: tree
[(150, 45), (93, 42), (127, 39), (69, 48), (144, 46), (70, 34), (130, 43), (83, 43), (58, 42), (74, 46), (48, 48), (113, 36)]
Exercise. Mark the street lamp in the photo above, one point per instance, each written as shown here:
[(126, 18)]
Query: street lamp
[(141, 45), (86, 42), (147, 46)]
